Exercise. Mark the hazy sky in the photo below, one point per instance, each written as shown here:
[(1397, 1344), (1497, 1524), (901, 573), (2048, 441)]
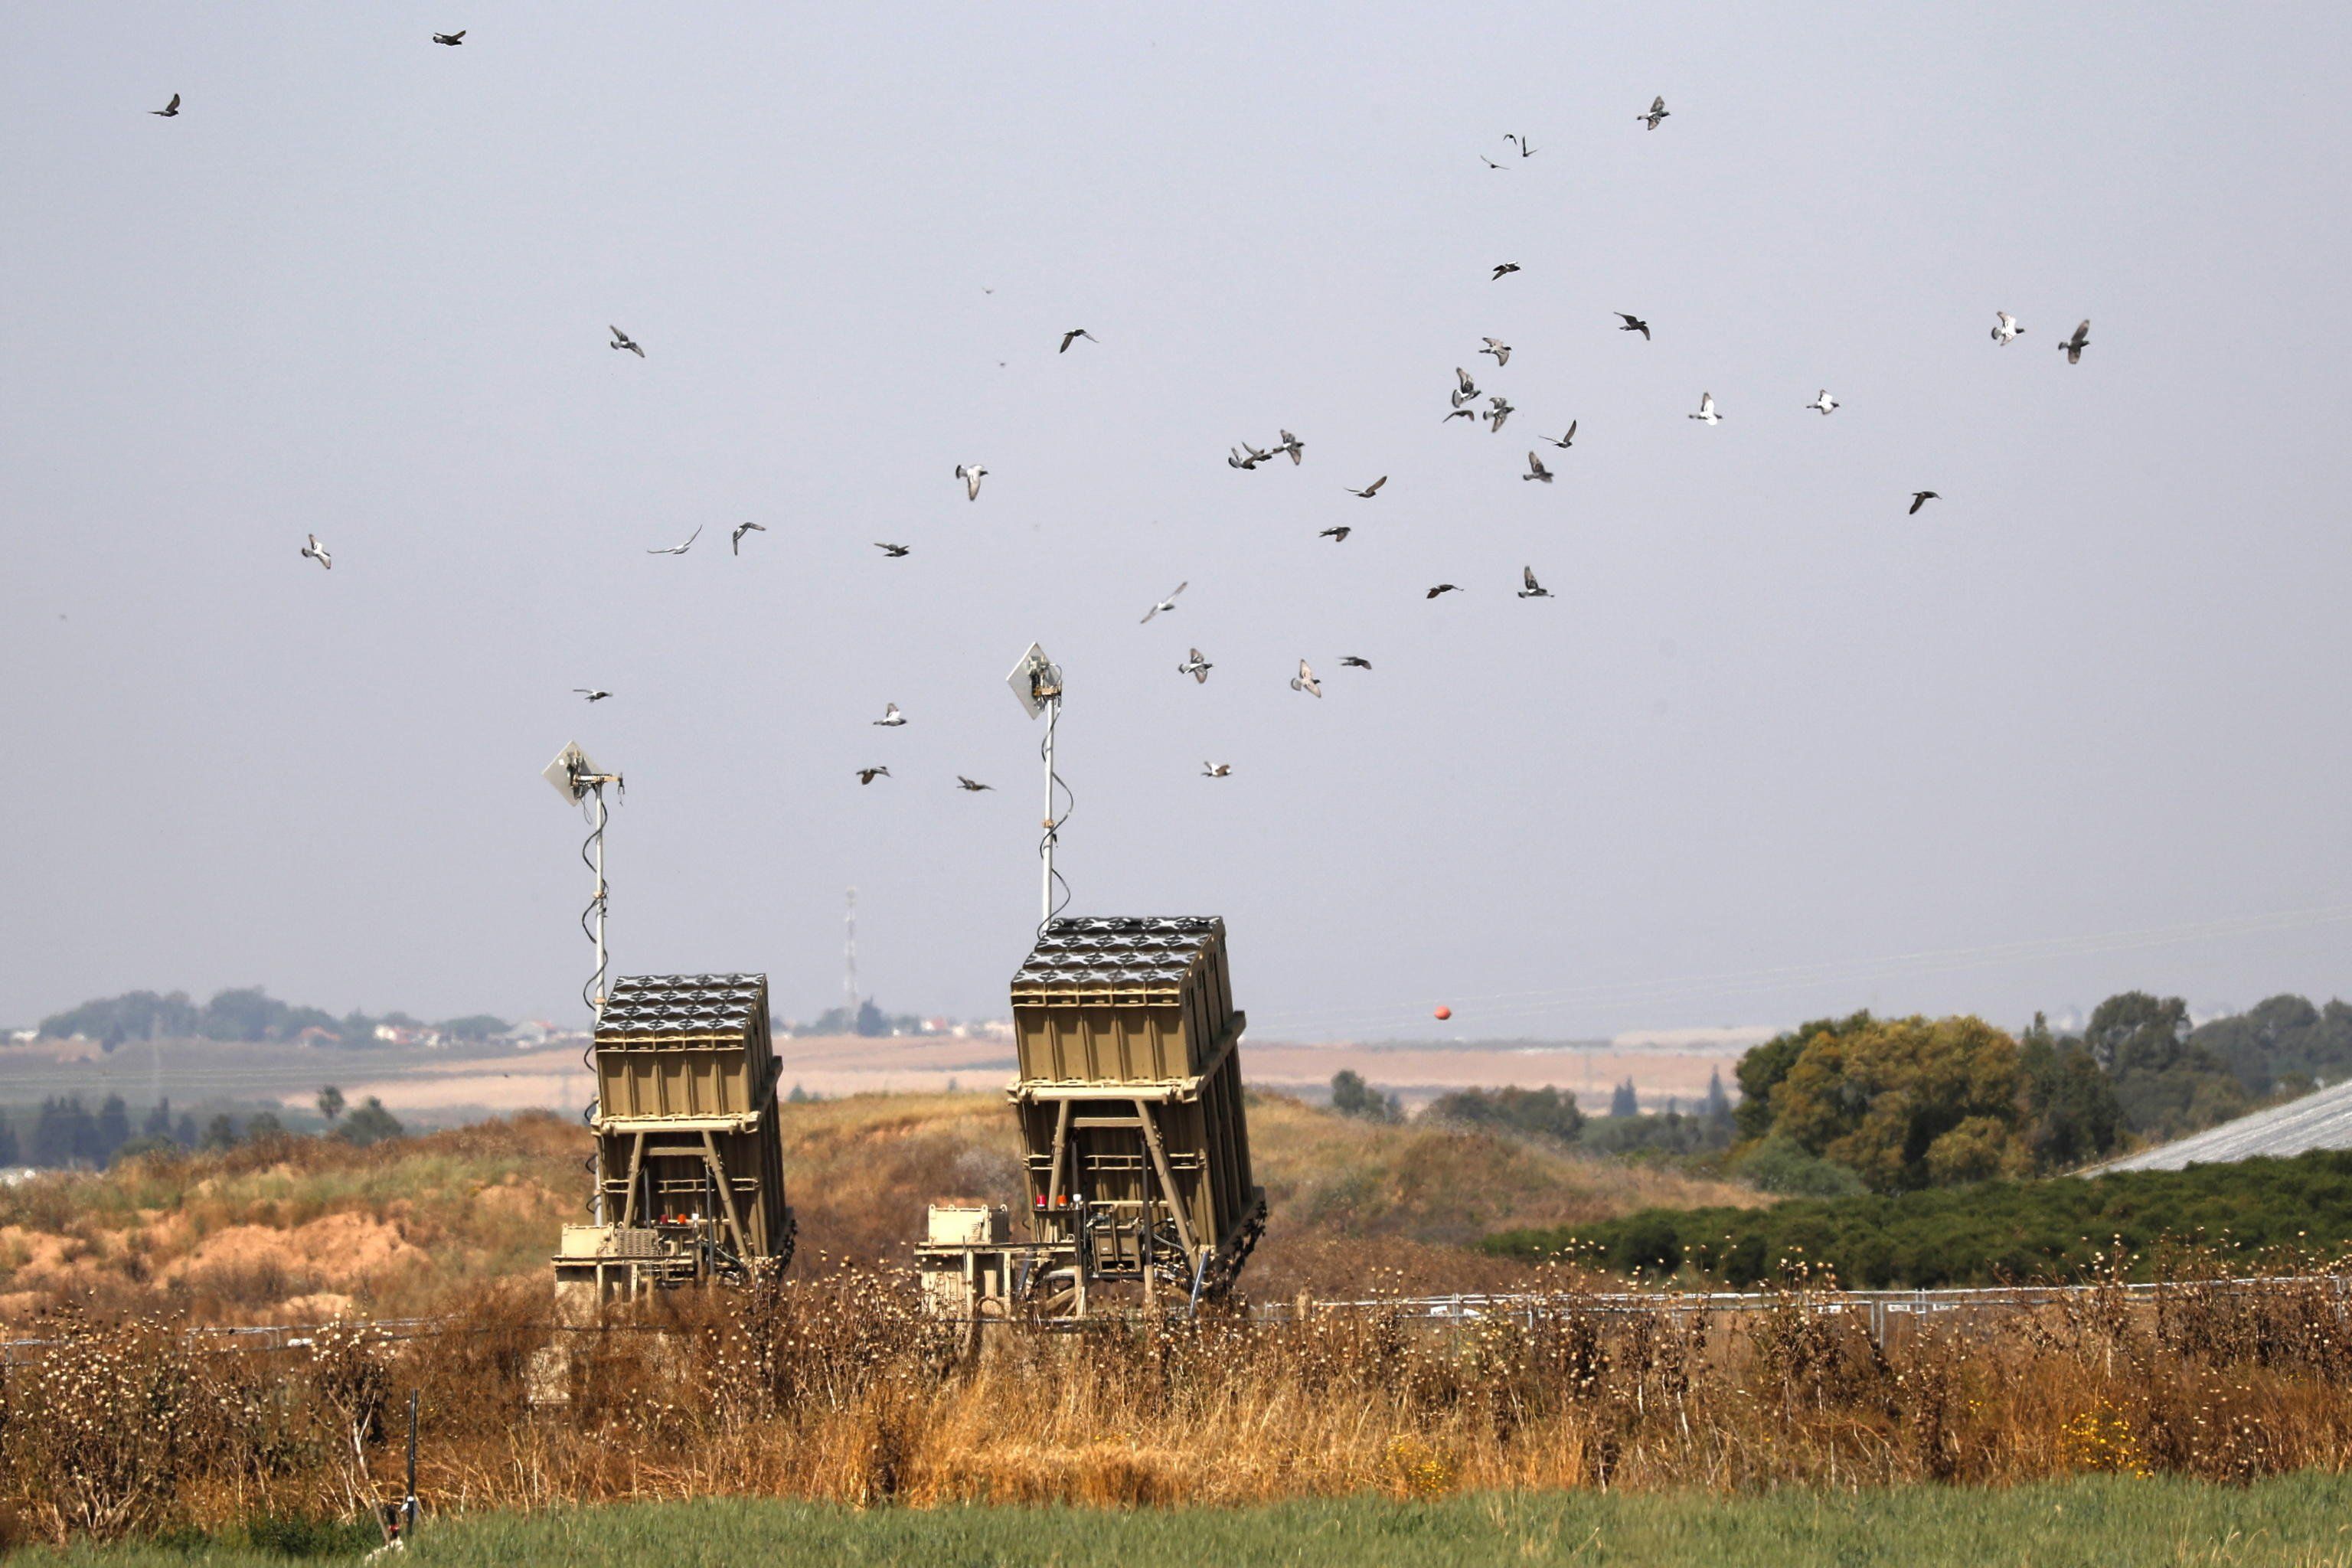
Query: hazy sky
[(360, 288)]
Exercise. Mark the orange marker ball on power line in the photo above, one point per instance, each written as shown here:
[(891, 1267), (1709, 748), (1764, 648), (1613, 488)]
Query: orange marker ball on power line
[(1443, 1012)]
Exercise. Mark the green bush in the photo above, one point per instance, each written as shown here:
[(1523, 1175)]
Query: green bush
[(1988, 1232), (1779, 1165)]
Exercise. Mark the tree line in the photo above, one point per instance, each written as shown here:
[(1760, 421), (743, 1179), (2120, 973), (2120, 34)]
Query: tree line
[(1552, 1115), (1889, 1105), (246, 1014), (63, 1134)]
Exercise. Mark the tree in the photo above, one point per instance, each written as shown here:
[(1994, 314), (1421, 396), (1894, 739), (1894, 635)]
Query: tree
[(1762, 1069), (222, 1133), (1908, 1102), (1545, 1112), (1719, 1102), (262, 1124), (2073, 1114), (134, 1015), (159, 1119), (331, 1103), (2278, 1038), (64, 1134), (1624, 1099), (2166, 1085), (1351, 1096), (113, 1129), (8, 1152), (369, 1123)]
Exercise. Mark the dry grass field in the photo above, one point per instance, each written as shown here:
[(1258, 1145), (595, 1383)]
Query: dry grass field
[(831, 1389), (834, 1390), (304, 1229)]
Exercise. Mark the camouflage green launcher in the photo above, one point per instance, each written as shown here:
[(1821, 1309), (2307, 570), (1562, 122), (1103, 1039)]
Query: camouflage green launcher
[(689, 1160), (1135, 1140)]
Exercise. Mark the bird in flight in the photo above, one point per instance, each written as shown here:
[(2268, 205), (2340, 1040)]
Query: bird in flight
[(1305, 680), (1337, 536), (2078, 343), (1824, 401), (452, 39), (1197, 668), (1499, 408), (892, 552), (975, 786), (892, 718), (1658, 112), (2004, 327), (1234, 459), (1293, 445), (1535, 470), (867, 775), (1166, 605), (1352, 662), (1370, 491), (594, 694), (1501, 268), (741, 530), (1218, 770), (1466, 390), (1469, 414), (318, 551), (971, 474), (1565, 442), (1706, 409), (1441, 588), (1527, 148), (1634, 324), (1534, 590), (170, 110), (1920, 499), (622, 340), (1072, 336), (1499, 349), (1489, 161), (680, 549)]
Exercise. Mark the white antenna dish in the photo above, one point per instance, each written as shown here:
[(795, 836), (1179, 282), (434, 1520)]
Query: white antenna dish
[(1036, 680), (570, 773)]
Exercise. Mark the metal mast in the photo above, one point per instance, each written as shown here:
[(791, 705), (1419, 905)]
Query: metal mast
[(1036, 683), (849, 967)]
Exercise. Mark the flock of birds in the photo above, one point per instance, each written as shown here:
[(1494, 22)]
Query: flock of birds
[(1248, 457)]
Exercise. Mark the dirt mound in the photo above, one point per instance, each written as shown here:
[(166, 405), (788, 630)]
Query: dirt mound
[(339, 1251)]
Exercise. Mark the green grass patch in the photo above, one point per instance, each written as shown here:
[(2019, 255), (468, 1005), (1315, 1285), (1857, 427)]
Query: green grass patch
[(2304, 1519), (1985, 1233)]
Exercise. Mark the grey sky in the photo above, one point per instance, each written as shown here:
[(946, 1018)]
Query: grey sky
[(360, 288)]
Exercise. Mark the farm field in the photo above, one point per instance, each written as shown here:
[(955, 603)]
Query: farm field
[(2292, 1522)]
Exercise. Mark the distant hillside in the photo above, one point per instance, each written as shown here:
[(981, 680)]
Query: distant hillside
[(294, 1228)]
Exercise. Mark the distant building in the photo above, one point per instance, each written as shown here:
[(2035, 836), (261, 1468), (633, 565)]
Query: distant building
[(318, 1035)]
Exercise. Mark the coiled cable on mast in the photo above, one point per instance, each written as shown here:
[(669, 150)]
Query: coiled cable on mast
[(1054, 819), (593, 991)]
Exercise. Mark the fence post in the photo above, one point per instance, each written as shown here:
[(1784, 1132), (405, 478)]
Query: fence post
[(408, 1506)]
